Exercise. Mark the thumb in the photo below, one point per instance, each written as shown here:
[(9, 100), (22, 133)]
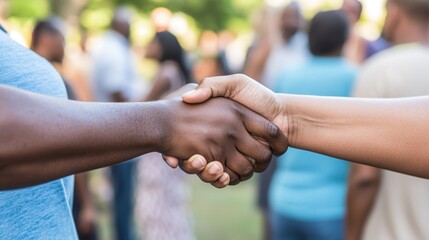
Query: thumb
[(222, 86), (198, 95)]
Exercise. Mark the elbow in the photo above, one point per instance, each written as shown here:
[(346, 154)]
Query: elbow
[(367, 182), (365, 179)]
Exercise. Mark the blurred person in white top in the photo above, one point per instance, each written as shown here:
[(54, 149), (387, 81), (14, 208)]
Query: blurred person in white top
[(114, 70), (114, 75), (384, 205), (292, 49)]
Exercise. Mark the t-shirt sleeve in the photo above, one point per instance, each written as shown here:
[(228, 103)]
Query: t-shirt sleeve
[(371, 80)]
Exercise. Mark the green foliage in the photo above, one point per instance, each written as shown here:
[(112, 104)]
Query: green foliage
[(34, 9), (209, 14)]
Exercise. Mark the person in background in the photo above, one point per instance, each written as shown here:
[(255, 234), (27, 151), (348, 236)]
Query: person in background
[(78, 67), (259, 50), (113, 77), (48, 41), (355, 49), (307, 193), (383, 204), (162, 193), (376, 46), (292, 49), (275, 57)]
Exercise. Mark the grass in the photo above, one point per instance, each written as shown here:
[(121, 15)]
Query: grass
[(229, 213)]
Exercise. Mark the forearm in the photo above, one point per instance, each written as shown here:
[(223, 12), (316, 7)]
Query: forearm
[(45, 138), (390, 134), (364, 182)]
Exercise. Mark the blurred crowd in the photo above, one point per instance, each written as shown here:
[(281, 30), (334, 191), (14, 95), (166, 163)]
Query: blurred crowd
[(303, 195)]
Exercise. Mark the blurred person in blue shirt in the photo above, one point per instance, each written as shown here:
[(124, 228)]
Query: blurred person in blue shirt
[(278, 46), (41, 211), (48, 40), (307, 194)]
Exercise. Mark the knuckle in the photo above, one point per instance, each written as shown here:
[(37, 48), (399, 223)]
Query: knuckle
[(185, 169), (239, 76), (266, 156), (246, 170), (205, 178), (230, 133)]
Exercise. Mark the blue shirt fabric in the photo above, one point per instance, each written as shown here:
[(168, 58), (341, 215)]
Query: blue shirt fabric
[(307, 185), (42, 211)]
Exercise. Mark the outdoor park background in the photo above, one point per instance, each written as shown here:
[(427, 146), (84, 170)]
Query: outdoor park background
[(218, 214)]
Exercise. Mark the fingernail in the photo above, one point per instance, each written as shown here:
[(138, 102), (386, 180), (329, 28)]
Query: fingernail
[(198, 163), (224, 178), (171, 162), (214, 169)]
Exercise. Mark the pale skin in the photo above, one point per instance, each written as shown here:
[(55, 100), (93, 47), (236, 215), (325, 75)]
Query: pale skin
[(386, 133), (365, 181), (44, 138)]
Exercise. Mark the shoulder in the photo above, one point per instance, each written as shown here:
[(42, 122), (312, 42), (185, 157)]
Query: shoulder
[(24, 69)]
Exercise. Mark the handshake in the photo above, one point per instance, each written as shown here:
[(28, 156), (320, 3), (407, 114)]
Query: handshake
[(232, 134), (223, 131)]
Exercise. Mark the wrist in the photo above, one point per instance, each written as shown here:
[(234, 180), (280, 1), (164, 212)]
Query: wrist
[(285, 118), (159, 126), (295, 118)]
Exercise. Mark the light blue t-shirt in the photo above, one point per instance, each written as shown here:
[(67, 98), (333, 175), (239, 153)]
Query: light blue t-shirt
[(43, 211), (306, 185)]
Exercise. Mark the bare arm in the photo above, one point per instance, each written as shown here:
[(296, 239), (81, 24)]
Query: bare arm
[(44, 138), (87, 212), (364, 182), (161, 84), (257, 59), (388, 133)]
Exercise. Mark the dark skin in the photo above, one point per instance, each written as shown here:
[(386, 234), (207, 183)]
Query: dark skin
[(46, 138), (290, 22)]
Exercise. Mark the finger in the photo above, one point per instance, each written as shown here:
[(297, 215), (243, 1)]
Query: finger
[(193, 165), (212, 172), (222, 182), (255, 151), (261, 128), (198, 95), (239, 88), (241, 165), (234, 179), (262, 166), (171, 161), (221, 86)]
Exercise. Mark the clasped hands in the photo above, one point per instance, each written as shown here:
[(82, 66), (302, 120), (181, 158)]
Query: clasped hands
[(225, 129)]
